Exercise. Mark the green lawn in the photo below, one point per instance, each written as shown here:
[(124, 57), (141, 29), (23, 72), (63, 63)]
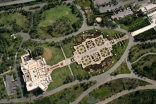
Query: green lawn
[(140, 49), (18, 17), (146, 66), (83, 3), (113, 87), (77, 69), (54, 13), (122, 69), (123, 26), (138, 97), (58, 77), (52, 55)]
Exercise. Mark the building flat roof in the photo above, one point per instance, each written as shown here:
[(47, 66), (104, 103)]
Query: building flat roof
[(143, 29), (35, 74), (148, 7)]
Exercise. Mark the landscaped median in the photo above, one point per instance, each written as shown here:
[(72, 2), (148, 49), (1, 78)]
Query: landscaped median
[(111, 88), (122, 69)]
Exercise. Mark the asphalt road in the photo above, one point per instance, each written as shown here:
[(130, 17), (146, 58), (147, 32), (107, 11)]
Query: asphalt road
[(10, 2)]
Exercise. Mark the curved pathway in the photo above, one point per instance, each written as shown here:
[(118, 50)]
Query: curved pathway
[(126, 92), (150, 53)]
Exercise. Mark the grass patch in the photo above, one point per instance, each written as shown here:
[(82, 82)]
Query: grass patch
[(138, 50), (53, 14), (113, 87), (52, 54), (58, 76), (122, 69), (18, 17), (146, 66), (78, 70)]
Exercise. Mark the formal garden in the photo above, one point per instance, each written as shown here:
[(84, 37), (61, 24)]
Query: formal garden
[(146, 66), (105, 65), (18, 20), (138, 50), (55, 20), (111, 88), (122, 69), (138, 97)]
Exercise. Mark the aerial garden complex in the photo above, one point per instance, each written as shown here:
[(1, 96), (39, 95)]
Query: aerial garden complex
[(77, 52)]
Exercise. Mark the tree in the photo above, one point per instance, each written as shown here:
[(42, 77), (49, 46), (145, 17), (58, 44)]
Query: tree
[(37, 51)]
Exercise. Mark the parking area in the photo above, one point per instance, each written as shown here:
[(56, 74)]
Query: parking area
[(10, 84), (122, 14), (104, 4)]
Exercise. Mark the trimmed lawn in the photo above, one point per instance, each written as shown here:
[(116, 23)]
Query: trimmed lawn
[(20, 19), (140, 49), (122, 69), (113, 87), (146, 66), (58, 76), (123, 26), (52, 55), (77, 69), (111, 33), (54, 13), (69, 48)]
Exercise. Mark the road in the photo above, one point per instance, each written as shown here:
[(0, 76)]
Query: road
[(14, 2), (101, 79)]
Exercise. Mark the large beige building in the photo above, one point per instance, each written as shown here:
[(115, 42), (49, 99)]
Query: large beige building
[(148, 9), (35, 73)]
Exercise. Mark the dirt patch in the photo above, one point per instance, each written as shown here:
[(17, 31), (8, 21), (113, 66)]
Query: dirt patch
[(47, 55)]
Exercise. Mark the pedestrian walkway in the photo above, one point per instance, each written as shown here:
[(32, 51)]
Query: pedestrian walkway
[(67, 61)]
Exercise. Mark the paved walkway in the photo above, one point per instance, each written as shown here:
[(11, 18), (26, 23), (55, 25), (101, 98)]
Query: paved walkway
[(67, 62), (126, 92), (150, 53)]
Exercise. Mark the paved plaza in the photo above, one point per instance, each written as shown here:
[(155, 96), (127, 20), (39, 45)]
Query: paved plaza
[(92, 51)]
